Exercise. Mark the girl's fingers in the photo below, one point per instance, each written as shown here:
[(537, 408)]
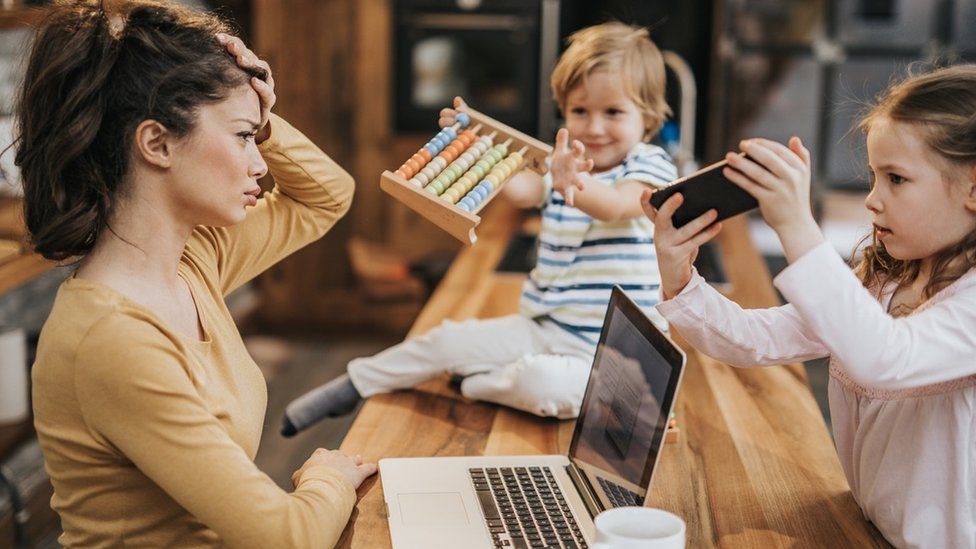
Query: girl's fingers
[(649, 210), (747, 184), (783, 152), (666, 211), (758, 174), (763, 155), (704, 236), (797, 147), (695, 226)]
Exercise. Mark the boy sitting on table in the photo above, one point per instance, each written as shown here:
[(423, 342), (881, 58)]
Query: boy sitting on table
[(609, 85)]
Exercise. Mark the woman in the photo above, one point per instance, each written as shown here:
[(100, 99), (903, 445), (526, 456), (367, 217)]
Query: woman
[(143, 132)]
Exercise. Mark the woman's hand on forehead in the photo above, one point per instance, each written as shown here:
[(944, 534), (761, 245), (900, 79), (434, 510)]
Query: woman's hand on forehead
[(246, 59)]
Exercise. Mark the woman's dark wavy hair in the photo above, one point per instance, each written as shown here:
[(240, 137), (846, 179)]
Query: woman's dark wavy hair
[(92, 78), (942, 103)]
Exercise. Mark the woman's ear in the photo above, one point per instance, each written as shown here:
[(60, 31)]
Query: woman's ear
[(154, 143)]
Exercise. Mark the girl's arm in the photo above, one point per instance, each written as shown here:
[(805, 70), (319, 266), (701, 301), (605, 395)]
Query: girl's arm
[(933, 345), (723, 330)]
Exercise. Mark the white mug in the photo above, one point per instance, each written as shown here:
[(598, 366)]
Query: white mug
[(638, 528)]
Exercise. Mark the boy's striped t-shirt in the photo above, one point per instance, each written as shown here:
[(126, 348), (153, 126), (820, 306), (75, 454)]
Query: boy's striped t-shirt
[(580, 258)]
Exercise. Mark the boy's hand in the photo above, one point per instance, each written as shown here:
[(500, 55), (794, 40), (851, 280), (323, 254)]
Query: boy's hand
[(447, 115), (677, 248), (567, 165)]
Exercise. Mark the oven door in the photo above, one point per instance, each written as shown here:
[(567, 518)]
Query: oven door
[(490, 58)]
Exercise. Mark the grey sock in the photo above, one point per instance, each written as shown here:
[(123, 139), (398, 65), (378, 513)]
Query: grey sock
[(335, 398)]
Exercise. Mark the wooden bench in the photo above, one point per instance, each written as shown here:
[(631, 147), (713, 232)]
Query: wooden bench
[(754, 466)]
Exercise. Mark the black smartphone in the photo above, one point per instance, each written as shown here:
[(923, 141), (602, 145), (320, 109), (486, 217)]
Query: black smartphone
[(703, 190)]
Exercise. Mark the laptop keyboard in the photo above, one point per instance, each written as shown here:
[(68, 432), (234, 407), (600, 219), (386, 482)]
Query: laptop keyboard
[(524, 507), (618, 495)]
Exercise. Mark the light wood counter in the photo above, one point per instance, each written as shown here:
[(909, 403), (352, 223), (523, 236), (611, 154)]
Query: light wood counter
[(754, 466)]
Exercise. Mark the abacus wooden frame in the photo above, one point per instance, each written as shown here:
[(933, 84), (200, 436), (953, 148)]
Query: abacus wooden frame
[(459, 223)]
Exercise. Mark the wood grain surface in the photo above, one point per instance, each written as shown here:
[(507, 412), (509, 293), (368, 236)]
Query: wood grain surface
[(754, 467)]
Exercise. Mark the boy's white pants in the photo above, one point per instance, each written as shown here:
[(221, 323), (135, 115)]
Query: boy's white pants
[(531, 365)]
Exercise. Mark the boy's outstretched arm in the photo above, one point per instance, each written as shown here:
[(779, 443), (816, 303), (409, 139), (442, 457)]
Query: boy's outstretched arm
[(605, 203), (524, 189)]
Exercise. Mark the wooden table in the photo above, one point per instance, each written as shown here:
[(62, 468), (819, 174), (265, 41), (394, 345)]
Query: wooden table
[(754, 465)]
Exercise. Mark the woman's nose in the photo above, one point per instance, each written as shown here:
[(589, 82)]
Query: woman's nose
[(257, 168)]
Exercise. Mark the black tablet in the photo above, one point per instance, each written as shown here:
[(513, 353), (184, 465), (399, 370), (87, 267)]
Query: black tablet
[(703, 190)]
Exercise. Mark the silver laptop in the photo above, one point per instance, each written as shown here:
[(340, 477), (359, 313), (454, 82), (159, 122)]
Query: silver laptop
[(550, 501)]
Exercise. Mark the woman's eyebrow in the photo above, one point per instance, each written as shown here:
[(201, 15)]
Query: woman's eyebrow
[(255, 125)]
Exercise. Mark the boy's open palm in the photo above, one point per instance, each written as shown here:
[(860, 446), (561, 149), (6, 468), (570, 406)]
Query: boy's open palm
[(568, 165)]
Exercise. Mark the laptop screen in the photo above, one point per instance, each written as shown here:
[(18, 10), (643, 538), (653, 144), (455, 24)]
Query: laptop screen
[(628, 399)]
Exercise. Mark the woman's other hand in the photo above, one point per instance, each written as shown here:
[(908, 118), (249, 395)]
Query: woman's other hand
[(247, 59), (677, 248), (353, 468)]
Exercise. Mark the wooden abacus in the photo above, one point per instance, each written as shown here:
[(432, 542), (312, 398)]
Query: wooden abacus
[(451, 178)]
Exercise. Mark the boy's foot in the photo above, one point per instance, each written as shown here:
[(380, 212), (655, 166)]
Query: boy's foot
[(333, 399)]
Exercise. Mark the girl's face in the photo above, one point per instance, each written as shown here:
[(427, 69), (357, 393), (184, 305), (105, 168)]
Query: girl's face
[(217, 165), (604, 118), (918, 208)]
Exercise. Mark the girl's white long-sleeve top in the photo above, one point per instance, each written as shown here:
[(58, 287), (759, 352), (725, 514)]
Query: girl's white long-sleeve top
[(902, 390)]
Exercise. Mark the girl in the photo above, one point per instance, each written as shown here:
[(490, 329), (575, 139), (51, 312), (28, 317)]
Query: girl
[(899, 330), (143, 132)]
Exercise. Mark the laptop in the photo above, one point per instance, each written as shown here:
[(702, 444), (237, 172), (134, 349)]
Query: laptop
[(550, 501)]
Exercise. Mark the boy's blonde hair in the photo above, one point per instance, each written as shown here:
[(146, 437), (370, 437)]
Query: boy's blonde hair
[(942, 104), (616, 47)]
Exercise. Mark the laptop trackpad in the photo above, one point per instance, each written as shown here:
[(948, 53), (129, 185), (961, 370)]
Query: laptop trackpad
[(432, 508)]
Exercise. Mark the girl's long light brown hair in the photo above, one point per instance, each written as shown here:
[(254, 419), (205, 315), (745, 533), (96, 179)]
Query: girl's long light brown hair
[(941, 103)]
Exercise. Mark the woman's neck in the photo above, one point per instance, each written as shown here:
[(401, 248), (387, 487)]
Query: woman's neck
[(141, 246)]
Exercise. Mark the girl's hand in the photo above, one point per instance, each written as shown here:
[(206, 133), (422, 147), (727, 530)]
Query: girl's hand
[(568, 165), (677, 248), (447, 115), (354, 469), (777, 176), (246, 59)]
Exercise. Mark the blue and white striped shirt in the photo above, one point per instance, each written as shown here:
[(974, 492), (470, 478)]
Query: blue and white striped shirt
[(581, 258)]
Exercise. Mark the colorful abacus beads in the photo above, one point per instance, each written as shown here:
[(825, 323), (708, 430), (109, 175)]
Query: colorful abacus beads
[(482, 167), (432, 148), (451, 154), (477, 151), (458, 167), (498, 175)]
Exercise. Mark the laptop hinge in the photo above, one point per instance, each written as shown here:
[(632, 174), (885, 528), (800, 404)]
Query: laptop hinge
[(584, 489)]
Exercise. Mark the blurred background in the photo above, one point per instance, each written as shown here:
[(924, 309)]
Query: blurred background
[(364, 79)]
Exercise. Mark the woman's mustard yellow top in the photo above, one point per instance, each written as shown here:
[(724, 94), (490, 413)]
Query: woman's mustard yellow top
[(149, 436)]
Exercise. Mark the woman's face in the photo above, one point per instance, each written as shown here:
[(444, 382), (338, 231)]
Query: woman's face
[(216, 167)]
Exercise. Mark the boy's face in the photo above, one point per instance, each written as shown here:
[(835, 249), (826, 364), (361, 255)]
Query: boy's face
[(601, 115)]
